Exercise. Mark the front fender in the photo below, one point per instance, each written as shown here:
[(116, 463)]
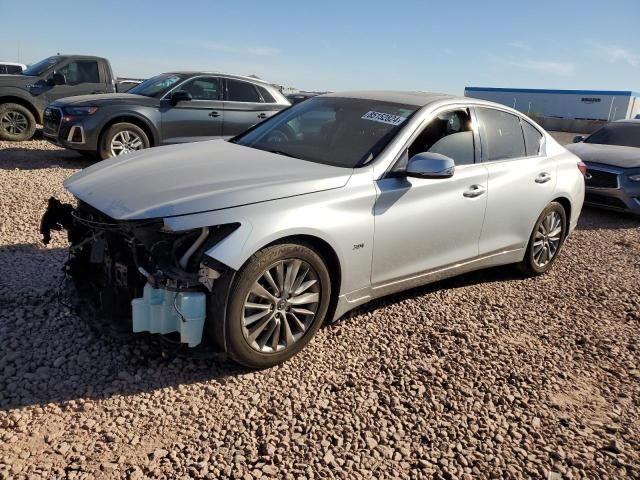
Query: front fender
[(342, 218), (150, 123), (7, 94)]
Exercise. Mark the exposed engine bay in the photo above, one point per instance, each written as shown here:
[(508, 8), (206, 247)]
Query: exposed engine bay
[(139, 275)]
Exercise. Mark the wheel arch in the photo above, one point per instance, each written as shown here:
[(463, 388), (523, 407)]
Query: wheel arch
[(23, 102), (566, 204), (223, 287), (328, 254), (134, 119)]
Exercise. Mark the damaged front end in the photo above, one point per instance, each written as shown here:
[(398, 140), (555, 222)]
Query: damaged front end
[(137, 274)]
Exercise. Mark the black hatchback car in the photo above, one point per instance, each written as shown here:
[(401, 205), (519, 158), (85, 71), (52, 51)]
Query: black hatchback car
[(170, 108)]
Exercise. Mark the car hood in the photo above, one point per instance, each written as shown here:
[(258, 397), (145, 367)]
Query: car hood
[(197, 177), (623, 157), (104, 99)]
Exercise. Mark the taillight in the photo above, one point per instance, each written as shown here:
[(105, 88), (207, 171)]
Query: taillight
[(582, 167)]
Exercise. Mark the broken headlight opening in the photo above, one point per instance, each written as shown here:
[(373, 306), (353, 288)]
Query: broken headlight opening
[(137, 274)]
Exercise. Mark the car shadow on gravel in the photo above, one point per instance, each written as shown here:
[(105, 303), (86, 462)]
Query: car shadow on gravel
[(35, 159), (488, 275), (49, 353), (593, 218)]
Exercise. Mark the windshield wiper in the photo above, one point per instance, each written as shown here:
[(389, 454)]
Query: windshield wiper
[(280, 152)]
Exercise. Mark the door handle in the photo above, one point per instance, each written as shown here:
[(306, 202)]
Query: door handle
[(262, 115), (214, 114), (474, 191), (544, 177), (97, 91)]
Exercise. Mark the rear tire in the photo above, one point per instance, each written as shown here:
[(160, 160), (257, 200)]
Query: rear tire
[(17, 123), (546, 241), (122, 138), (269, 327)]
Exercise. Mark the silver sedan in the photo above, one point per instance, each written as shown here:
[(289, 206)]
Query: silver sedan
[(251, 243)]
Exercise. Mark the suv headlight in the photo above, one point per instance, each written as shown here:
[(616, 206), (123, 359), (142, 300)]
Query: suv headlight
[(635, 177), (80, 111)]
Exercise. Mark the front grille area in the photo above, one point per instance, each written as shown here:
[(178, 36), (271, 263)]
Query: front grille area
[(52, 120), (604, 200), (601, 179)]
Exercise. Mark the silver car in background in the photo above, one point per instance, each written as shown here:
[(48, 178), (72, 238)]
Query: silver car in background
[(333, 202), (612, 157)]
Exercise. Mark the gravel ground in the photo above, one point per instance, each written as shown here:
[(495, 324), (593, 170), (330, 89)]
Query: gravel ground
[(485, 376)]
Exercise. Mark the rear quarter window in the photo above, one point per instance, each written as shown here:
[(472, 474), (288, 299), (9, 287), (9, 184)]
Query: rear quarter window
[(266, 96), (532, 138)]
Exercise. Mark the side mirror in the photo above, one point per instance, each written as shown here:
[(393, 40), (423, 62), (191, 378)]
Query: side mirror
[(57, 79), (430, 165), (578, 139), (180, 96)]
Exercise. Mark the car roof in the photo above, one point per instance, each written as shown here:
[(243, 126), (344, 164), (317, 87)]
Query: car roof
[(633, 121), (421, 99), (81, 57), (418, 99), (230, 75)]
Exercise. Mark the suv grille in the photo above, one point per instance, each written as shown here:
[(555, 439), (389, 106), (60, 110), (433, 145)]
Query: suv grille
[(600, 179), (52, 120)]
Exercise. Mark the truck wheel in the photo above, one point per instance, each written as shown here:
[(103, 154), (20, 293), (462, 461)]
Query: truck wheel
[(122, 138), (277, 303), (16, 122)]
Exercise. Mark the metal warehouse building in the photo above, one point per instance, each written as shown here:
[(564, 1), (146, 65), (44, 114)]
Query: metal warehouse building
[(569, 104)]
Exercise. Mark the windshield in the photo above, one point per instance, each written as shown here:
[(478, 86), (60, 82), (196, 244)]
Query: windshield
[(344, 132), (42, 66), (157, 86), (623, 134)]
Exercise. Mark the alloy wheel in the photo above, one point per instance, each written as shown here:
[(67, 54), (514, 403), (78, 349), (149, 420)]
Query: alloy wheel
[(14, 123), (547, 239), (281, 306), (124, 142)]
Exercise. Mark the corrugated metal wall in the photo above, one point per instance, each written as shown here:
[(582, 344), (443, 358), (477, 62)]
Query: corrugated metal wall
[(591, 105)]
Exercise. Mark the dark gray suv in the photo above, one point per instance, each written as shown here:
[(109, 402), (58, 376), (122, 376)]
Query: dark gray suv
[(170, 108)]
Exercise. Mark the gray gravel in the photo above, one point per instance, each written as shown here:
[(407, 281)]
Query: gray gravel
[(486, 376)]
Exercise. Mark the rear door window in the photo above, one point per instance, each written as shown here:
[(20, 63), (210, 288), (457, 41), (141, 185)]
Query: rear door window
[(239, 91), (501, 134)]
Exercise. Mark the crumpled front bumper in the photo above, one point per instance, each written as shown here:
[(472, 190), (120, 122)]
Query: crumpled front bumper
[(111, 267)]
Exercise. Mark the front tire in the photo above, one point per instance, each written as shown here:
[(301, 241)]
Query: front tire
[(277, 303), (17, 123), (546, 240), (122, 138)]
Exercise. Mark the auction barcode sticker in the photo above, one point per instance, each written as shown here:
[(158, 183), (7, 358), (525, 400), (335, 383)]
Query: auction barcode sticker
[(383, 118)]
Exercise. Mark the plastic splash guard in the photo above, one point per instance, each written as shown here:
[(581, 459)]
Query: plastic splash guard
[(164, 311)]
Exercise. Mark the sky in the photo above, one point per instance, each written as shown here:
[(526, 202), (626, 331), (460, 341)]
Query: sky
[(332, 45)]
